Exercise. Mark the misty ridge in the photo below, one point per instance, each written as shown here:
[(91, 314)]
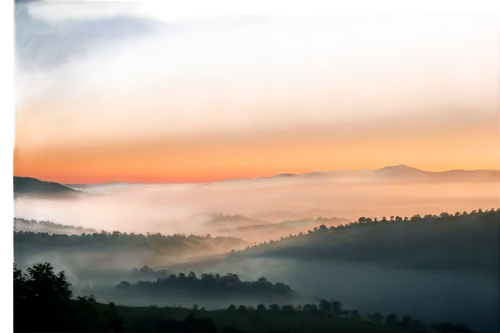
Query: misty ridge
[(255, 229), (115, 249), (397, 173), (49, 227), (216, 221)]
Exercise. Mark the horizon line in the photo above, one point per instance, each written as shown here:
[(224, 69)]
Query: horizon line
[(250, 178)]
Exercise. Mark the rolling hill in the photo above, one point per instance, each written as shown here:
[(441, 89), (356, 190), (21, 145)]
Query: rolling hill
[(459, 242), (401, 173)]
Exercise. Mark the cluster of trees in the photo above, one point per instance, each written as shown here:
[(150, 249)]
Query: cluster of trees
[(208, 283), (50, 227), (156, 242), (448, 242), (43, 303)]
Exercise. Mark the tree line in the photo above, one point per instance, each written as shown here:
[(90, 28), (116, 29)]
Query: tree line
[(156, 241), (50, 225)]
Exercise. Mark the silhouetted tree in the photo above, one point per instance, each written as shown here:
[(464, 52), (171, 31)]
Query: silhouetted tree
[(392, 320), (406, 322), (325, 306), (336, 306), (355, 314), (377, 317), (261, 307)]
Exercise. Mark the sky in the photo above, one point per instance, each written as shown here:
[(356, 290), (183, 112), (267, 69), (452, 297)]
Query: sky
[(190, 91)]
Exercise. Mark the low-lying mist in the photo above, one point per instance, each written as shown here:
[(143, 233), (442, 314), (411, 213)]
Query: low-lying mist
[(177, 208), (466, 297), (431, 296)]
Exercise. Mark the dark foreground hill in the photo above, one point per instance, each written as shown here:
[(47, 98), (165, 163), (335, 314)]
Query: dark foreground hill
[(459, 241), (43, 301)]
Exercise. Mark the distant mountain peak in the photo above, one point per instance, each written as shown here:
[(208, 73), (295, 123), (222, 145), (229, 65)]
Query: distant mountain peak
[(397, 166), (402, 171), (285, 175)]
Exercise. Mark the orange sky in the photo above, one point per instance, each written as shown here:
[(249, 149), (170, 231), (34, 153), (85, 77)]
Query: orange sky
[(193, 99)]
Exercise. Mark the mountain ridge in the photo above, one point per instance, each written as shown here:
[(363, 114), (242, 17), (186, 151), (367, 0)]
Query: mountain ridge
[(434, 234), (397, 172), (400, 171)]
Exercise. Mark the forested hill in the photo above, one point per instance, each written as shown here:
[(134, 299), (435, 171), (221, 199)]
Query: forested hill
[(460, 241), (175, 245)]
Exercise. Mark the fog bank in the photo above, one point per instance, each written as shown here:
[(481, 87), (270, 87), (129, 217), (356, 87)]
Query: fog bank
[(176, 208)]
